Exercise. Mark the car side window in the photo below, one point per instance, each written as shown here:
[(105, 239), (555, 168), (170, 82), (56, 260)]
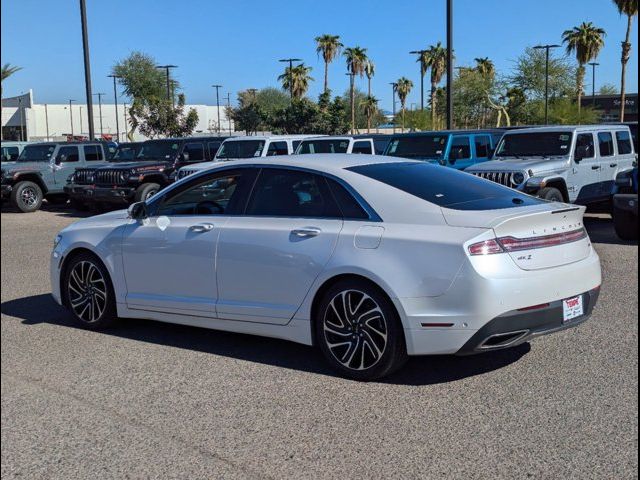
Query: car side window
[(605, 143), (586, 140), (362, 147), (295, 144), (214, 195), (213, 148), (277, 148), (291, 193), (92, 153), (460, 149), (623, 139), (483, 146), (68, 154), (349, 206), (10, 153), (195, 151)]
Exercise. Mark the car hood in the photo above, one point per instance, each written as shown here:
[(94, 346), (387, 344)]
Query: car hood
[(110, 219), (510, 164), (135, 165), (200, 166), (19, 166)]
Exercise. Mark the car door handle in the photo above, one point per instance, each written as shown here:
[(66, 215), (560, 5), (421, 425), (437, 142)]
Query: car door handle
[(201, 227), (595, 167), (306, 232), (613, 165)]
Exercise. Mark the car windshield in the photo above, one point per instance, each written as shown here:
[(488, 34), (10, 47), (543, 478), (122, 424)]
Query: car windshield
[(126, 153), (418, 146), (534, 144), (324, 146), (241, 149), (36, 153), (157, 150)]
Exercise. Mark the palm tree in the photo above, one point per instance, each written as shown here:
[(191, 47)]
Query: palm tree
[(423, 59), (403, 87), (369, 71), (370, 106), (329, 47), (485, 67), (436, 59), (7, 71), (296, 80), (585, 41), (356, 64), (630, 9)]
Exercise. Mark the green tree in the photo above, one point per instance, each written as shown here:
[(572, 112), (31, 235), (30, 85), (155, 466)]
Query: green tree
[(356, 58), (630, 9), (160, 118), (296, 79), (417, 120), (436, 60), (271, 100), (585, 41), (370, 107), (248, 117), (487, 72), (529, 75), (485, 67), (403, 88), (329, 47), (7, 71), (608, 89)]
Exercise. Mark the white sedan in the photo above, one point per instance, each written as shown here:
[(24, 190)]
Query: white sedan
[(370, 258)]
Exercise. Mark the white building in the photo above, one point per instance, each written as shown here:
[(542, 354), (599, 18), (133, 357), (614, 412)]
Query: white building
[(22, 118)]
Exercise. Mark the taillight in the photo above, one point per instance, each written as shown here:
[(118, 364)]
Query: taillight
[(486, 247)]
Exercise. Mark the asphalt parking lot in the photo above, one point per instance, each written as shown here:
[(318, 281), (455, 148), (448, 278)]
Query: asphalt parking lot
[(151, 400)]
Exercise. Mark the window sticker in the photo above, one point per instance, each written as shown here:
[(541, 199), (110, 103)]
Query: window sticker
[(163, 222)]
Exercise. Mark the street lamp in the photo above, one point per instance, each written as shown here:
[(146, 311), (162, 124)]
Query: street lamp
[(546, 78), (290, 61), (71, 117), (217, 87), (593, 82), (420, 53), (229, 110), (100, 95), (394, 86), (21, 119), (87, 68), (115, 103), (166, 69)]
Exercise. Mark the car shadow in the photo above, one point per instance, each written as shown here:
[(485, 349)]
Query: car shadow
[(600, 229), (60, 210), (427, 370)]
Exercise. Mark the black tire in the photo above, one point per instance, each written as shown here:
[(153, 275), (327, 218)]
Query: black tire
[(26, 196), (87, 292), (57, 199), (79, 205), (625, 224), (145, 191), (551, 194), (357, 347)]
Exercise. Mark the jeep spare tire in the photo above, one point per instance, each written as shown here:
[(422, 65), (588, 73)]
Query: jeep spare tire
[(26, 196)]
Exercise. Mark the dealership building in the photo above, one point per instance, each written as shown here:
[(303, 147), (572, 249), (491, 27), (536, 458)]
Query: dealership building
[(608, 106), (22, 118)]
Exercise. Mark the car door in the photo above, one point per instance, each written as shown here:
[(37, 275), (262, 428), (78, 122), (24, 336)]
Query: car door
[(482, 148), (460, 152), (169, 258), (65, 163), (583, 180), (623, 161), (269, 257)]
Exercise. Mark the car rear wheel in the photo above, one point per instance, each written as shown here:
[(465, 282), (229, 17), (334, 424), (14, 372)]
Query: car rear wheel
[(88, 293), (26, 196), (359, 332), (551, 194), (146, 191), (625, 224)]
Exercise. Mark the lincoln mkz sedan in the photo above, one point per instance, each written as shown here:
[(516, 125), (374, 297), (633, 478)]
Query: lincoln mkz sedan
[(370, 258)]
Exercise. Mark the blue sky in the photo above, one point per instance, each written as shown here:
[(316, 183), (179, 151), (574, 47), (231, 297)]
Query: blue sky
[(237, 44)]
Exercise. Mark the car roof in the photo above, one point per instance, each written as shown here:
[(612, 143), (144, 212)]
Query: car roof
[(564, 128), (447, 132), (270, 137)]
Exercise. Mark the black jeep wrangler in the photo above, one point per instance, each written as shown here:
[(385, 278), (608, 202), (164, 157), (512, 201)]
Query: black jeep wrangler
[(152, 168)]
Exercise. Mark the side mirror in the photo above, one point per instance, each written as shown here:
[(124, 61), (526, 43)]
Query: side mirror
[(582, 151), (138, 211)]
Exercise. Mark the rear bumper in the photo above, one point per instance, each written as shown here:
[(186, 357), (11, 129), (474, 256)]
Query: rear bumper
[(517, 327), (118, 195), (626, 202)]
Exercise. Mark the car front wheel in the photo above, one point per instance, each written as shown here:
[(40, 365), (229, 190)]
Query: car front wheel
[(88, 293), (359, 332), (26, 196)]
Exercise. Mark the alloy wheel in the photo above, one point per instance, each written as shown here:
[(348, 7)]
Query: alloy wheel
[(87, 290), (29, 196), (355, 330)]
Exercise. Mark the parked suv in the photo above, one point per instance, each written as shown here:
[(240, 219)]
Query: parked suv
[(236, 148), (576, 164), (152, 168), (625, 205), (454, 148), (41, 171), (336, 145)]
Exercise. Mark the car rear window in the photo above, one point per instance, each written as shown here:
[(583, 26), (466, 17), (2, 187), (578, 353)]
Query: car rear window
[(445, 187)]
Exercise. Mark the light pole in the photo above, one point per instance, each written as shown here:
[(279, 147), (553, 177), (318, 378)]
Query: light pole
[(124, 106), (100, 95), (394, 85), (546, 78), (290, 60), (87, 68), (228, 110), (353, 101), (80, 106), (593, 82), (46, 119), (71, 117), (166, 69), (217, 87), (21, 119), (420, 53), (449, 64), (115, 104)]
